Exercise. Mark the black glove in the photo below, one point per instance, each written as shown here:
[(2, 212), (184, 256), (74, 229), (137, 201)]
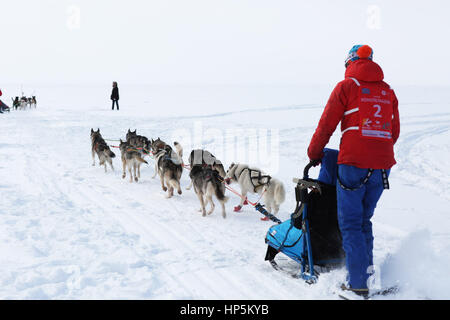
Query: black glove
[(316, 162)]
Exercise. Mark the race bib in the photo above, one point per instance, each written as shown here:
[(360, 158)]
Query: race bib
[(375, 112)]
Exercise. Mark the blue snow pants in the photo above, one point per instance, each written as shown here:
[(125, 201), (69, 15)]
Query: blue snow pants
[(355, 209)]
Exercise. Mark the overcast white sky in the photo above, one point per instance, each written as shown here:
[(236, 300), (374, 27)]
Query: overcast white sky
[(220, 41)]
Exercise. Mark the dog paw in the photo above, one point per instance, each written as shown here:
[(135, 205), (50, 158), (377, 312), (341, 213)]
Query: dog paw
[(164, 188), (136, 179), (179, 192), (123, 176)]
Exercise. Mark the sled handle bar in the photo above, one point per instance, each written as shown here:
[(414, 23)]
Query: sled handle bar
[(311, 164)]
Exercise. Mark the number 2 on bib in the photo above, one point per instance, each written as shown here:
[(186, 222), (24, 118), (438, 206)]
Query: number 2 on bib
[(375, 112)]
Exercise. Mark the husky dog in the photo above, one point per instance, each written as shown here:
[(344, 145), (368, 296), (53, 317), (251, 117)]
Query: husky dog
[(138, 141), (100, 147), (16, 103), (33, 101), (169, 166), (205, 158), (255, 181), (23, 103), (131, 159), (155, 147), (208, 182)]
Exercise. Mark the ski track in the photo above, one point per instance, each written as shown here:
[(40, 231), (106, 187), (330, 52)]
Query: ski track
[(70, 231)]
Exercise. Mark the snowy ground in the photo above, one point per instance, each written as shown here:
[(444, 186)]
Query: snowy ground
[(70, 231)]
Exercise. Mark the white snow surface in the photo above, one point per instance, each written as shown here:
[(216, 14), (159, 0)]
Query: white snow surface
[(70, 231)]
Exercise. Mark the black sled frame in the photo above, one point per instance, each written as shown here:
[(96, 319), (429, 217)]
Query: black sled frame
[(301, 219)]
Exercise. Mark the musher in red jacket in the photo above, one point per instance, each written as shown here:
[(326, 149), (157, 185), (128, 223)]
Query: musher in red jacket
[(367, 109)]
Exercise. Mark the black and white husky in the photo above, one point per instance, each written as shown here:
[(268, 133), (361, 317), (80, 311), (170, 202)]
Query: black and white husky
[(155, 147), (254, 180), (208, 182), (169, 166), (200, 157), (101, 148)]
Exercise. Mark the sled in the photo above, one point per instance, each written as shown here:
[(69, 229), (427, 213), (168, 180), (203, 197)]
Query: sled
[(311, 237), (4, 107)]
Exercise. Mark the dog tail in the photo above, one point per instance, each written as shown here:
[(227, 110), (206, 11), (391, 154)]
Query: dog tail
[(220, 191), (141, 160), (280, 193), (179, 149), (109, 153)]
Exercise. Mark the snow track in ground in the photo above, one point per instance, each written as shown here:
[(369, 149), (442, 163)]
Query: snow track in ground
[(70, 231)]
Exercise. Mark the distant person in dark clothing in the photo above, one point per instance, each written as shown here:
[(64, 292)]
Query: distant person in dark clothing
[(115, 96)]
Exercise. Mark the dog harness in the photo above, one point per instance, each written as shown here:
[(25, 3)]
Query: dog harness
[(259, 178)]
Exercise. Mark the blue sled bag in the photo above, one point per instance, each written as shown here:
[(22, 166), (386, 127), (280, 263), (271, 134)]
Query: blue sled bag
[(286, 238), (290, 237)]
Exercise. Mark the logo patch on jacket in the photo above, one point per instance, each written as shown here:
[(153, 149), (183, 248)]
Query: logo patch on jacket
[(366, 90)]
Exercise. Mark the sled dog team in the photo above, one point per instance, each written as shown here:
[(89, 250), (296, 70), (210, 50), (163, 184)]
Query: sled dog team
[(24, 102), (207, 173)]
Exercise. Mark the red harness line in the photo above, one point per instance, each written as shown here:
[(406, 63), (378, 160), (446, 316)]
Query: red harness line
[(149, 151), (234, 191), (245, 198)]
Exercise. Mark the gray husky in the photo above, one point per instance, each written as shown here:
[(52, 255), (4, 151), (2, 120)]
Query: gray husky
[(208, 182), (157, 145), (140, 142), (169, 166), (205, 158), (131, 159), (102, 149), (255, 181)]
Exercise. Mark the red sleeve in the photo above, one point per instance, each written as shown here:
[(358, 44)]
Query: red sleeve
[(331, 116), (0, 93), (395, 120)]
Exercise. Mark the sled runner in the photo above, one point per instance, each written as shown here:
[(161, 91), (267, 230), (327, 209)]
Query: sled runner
[(311, 237), (348, 295)]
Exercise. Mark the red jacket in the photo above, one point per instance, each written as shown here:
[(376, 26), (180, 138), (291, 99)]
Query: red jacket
[(356, 148)]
